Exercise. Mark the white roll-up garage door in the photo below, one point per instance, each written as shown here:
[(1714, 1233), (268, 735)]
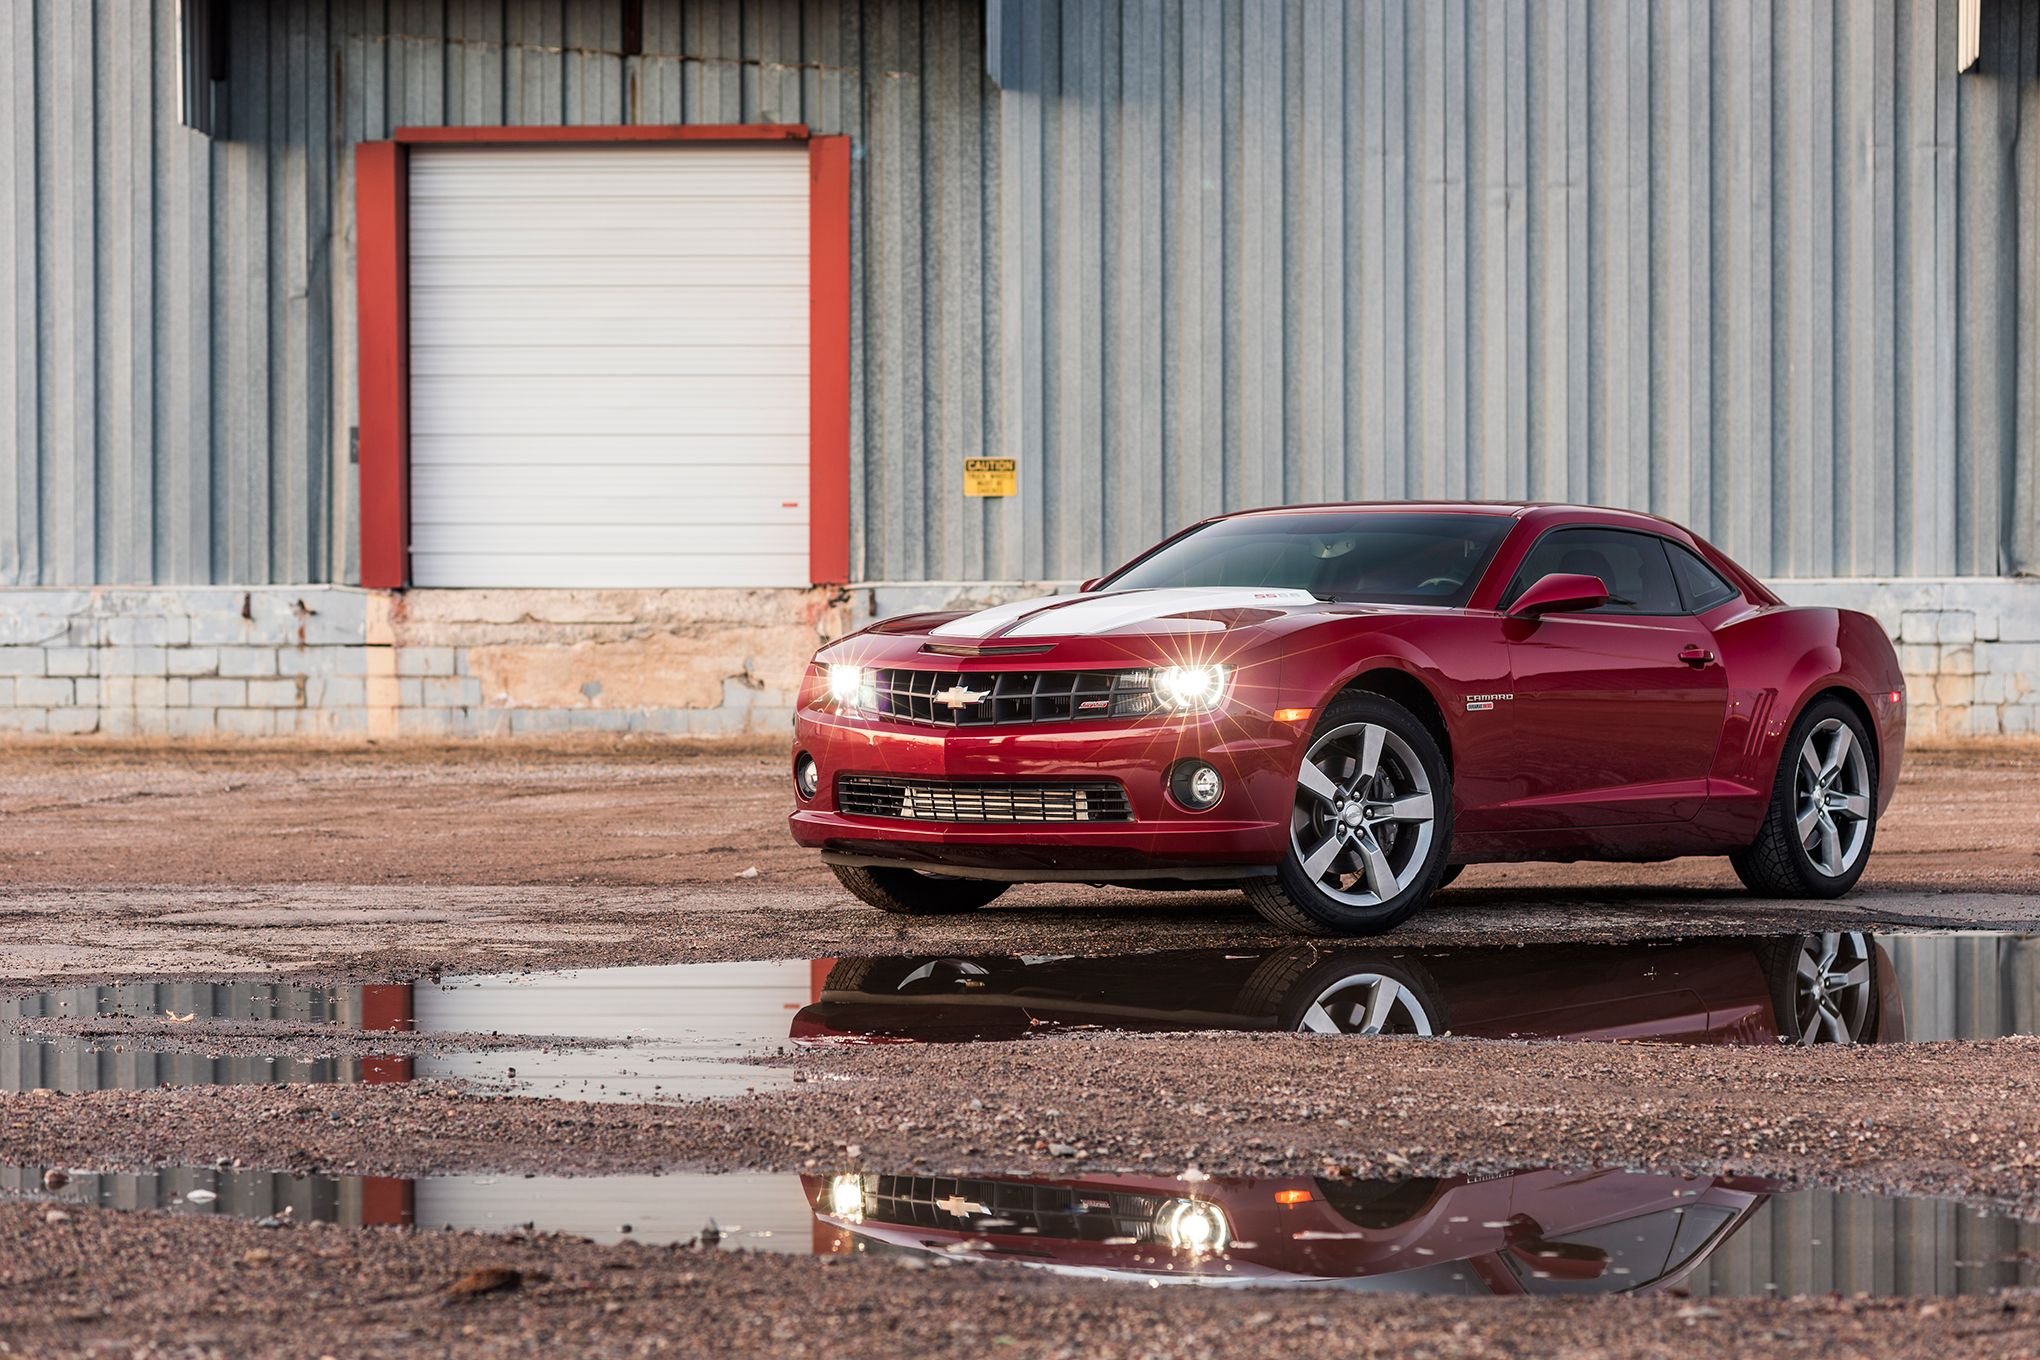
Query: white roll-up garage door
[(609, 366)]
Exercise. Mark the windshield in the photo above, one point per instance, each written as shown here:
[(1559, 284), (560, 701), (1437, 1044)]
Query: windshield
[(1370, 558)]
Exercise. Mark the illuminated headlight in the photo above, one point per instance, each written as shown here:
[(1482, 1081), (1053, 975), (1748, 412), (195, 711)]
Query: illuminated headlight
[(1190, 689), (1194, 1226), (846, 683), (846, 1198)]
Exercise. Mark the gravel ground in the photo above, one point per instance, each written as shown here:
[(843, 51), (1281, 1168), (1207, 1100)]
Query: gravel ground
[(1957, 1120), (103, 1282), (365, 864)]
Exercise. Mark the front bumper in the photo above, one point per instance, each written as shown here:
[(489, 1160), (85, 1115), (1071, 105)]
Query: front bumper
[(1244, 835)]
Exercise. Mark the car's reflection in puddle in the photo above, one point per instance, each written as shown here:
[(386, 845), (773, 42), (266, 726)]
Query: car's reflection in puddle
[(689, 1031), (1525, 1232), (1839, 987)]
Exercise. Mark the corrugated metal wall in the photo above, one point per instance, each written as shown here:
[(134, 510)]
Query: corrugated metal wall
[(177, 345), (1755, 265), (1821, 1242), (1768, 266)]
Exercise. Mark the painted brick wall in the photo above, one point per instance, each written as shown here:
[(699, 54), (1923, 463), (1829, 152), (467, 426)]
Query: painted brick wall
[(329, 661), (336, 661)]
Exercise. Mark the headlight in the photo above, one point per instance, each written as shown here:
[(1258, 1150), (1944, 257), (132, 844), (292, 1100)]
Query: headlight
[(1190, 689), (845, 684), (846, 1198), (1193, 1225)]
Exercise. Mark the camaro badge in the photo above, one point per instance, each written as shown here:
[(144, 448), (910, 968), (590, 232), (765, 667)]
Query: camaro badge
[(1481, 703), (957, 698)]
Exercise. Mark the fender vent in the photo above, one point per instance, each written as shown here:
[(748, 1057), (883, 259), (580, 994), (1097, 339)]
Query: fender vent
[(1760, 718)]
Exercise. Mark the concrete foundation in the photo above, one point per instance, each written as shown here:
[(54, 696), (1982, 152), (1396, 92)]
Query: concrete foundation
[(339, 661)]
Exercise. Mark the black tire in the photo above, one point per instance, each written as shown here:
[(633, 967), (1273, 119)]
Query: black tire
[(907, 892), (1777, 863), (1285, 987), (1450, 876), (1850, 1015), (1293, 898)]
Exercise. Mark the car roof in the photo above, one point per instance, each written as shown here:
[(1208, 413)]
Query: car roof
[(1539, 515), (1539, 511)]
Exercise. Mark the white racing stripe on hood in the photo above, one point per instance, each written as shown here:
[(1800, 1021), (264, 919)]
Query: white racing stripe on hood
[(1090, 615)]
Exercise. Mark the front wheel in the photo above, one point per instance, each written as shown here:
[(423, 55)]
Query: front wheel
[(907, 892), (1815, 840), (1370, 828)]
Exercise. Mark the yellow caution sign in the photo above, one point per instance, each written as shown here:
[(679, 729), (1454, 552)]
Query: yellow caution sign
[(991, 476)]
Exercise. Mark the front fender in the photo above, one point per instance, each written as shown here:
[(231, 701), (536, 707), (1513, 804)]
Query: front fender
[(1447, 658)]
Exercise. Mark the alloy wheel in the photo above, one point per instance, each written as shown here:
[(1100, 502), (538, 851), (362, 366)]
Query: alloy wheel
[(1367, 1003), (1834, 987), (1832, 797), (1364, 816)]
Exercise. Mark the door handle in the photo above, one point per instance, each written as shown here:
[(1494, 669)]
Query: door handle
[(1696, 656)]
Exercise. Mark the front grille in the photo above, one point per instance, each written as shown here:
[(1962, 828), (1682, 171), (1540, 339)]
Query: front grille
[(962, 1203), (931, 800), (999, 698)]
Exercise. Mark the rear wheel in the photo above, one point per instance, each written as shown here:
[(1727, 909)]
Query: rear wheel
[(1370, 827), (1823, 987), (1816, 836), (908, 892)]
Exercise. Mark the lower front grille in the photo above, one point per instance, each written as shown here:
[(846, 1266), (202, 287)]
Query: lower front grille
[(934, 800)]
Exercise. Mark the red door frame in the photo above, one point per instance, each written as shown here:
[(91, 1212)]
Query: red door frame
[(382, 229)]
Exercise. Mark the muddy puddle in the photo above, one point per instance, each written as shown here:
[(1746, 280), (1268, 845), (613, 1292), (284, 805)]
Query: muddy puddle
[(697, 1030), (1530, 1232)]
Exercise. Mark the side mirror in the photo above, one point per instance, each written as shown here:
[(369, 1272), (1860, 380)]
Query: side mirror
[(1575, 1262), (1562, 592)]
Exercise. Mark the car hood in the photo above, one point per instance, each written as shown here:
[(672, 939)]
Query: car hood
[(1191, 609)]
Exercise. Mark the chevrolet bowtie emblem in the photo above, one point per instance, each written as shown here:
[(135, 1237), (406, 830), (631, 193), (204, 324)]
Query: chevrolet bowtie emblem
[(956, 1206), (958, 698)]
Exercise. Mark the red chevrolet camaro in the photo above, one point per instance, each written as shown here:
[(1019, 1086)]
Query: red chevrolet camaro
[(1336, 707)]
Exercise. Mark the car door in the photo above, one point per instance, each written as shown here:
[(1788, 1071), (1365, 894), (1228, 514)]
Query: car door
[(1617, 711)]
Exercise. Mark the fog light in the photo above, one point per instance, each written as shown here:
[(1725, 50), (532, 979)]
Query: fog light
[(846, 1198), (1196, 785), (807, 776), (1193, 1226)]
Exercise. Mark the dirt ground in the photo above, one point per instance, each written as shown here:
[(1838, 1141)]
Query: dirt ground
[(362, 863)]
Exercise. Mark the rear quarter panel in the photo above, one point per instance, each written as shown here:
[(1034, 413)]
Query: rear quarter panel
[(1778, 660)]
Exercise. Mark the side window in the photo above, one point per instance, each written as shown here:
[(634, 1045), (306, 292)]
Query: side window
[(1701, 585), (1631, 565)]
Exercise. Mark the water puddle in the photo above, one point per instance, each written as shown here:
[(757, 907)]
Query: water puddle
[(609, 1034), (1527, 1232), (696, 1030)]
